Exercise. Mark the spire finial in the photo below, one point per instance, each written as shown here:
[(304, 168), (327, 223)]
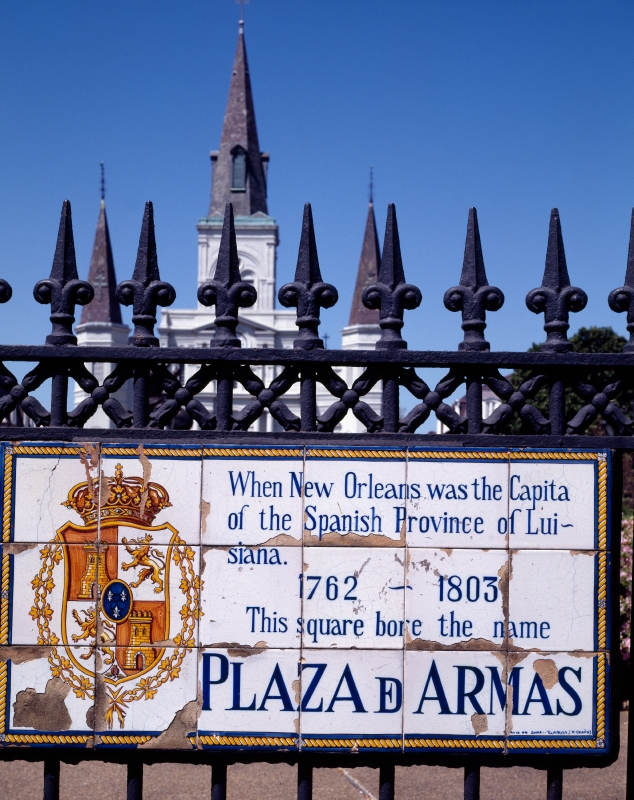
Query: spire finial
[(372, 185), (242, 4), (103, 184)]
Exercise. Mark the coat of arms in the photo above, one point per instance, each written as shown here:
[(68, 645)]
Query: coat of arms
[(113, 634)]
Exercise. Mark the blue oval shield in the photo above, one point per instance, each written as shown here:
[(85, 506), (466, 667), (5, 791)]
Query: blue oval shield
[(116, 600)]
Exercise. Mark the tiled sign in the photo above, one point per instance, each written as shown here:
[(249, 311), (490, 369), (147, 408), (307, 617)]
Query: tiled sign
[(302, 598)]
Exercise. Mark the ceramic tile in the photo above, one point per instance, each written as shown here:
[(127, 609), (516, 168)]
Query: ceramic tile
[(42, 479), (352, 693), (354, 501), (159, 583), (147, 691), (553, 503), (48, 691), (454, 694), (456, 503), (253, 499), (251, 596), (250, 692), (455, 597), (52, 592), (353, 597), (553, 599), (552, 695), (168, 476)]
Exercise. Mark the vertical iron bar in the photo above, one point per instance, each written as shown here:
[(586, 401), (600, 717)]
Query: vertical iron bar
[(224, 400), (390, 403), (557, 408), (474, 404), (135, 781), (141, 395), (386, 782), (51, 779), (471, 782), (219, 781), (554, 783), (59, 396), (308, 400), (304, 781)]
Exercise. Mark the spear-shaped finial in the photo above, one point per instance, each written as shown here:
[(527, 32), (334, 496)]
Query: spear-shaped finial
[(390, 293), (623, 299), (308, 292), (146, 290), (63, 289), (473, 296), (556, 298), (227, 291)]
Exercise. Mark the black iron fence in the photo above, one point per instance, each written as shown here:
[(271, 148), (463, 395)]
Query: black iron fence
[(391, 367)]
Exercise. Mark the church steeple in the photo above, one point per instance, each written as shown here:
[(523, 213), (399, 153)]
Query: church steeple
[(367, 273), (101, 275), (239, 175)]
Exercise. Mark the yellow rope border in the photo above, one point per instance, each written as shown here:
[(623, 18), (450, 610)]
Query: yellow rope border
[(559, 455), (176, 452), (232, 452), (249, 741), (107, 739), (312, 452), (471, 744), (470, 455), (46, 738), (388, 744)]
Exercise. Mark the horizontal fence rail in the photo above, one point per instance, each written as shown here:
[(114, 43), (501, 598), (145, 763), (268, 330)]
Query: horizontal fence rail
[(161, 392)]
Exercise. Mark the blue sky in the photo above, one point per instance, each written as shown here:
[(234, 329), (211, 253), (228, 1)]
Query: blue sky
[(511, 107)]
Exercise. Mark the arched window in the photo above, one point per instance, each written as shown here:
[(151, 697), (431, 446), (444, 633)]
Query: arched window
[(239, 174)]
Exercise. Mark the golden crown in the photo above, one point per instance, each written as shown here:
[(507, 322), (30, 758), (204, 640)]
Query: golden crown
[(127, 498)]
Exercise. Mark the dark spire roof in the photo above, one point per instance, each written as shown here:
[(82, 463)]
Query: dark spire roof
[(239, 131), (367, 274), (104, 307)]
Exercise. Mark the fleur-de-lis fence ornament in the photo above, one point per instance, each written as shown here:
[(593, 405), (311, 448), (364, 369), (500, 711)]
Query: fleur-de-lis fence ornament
[(390, 294), (63, 289), (308, 292), (556, 298), (227, 291), (146, 290), (473, 296), (623, 299)]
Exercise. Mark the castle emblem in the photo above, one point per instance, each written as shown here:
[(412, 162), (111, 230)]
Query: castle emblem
[(115, 616)]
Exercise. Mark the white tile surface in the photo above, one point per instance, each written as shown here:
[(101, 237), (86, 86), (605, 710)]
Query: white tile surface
[(253, 692), (461, 503), (253, 501), (352, 693), (353, 501), (456, 597), (552, 504), (454, 694), (353, 597), (553, 599), (251, 596)]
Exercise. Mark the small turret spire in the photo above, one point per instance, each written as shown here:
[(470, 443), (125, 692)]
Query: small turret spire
[(101, 275), (368, 271)]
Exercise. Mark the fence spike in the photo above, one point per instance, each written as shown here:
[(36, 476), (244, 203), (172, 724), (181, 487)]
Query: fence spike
[(63, 289), (145, 291), (623, 299), (473, 296), (308, 292), (227, 291), (390, 294), (556, 298)]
